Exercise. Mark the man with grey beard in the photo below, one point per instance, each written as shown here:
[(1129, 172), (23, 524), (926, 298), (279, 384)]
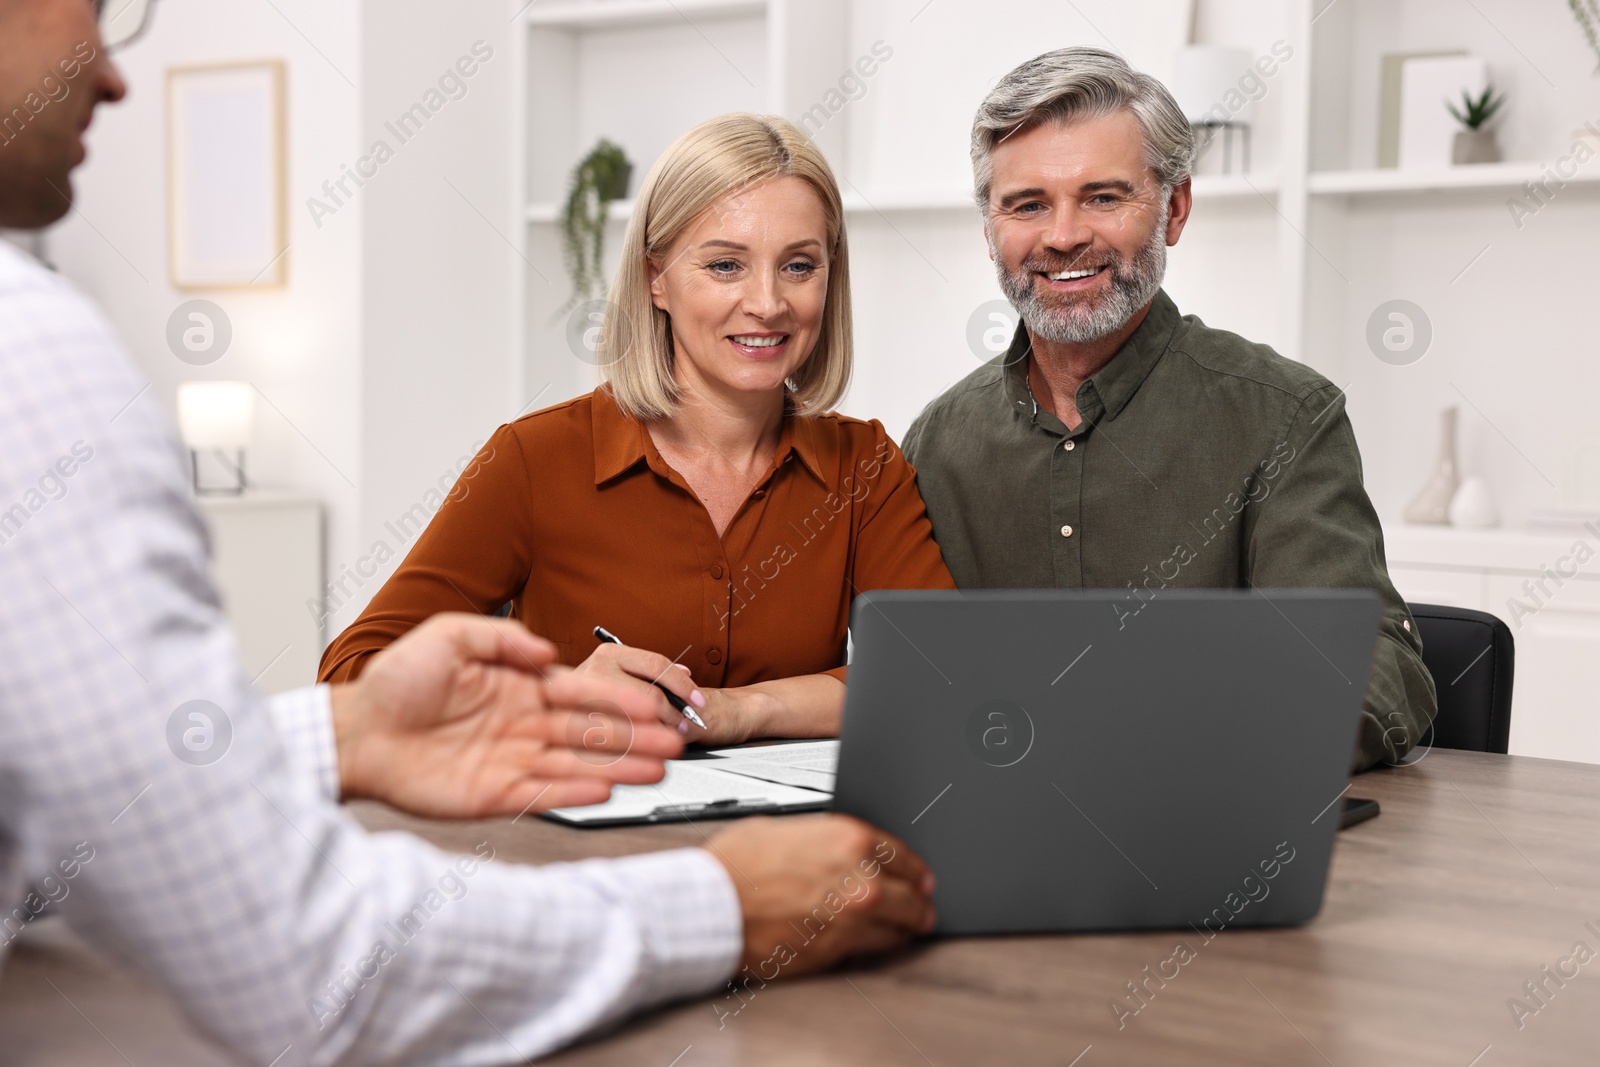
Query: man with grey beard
[(1119, 443)]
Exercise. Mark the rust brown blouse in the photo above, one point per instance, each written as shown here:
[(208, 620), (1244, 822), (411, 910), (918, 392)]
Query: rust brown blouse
[(572, 515)]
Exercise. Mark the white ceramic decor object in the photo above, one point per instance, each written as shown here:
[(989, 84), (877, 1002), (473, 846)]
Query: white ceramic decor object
[(1473, 505), (1431, 505)]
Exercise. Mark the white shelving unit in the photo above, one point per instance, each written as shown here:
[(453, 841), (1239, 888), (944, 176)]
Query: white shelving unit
[(1487, 178), (639, 72), (1297, 253), (778, 56), (604, 14)]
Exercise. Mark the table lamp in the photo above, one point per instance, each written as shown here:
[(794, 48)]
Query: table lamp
[(215, 417), (1210, 84)]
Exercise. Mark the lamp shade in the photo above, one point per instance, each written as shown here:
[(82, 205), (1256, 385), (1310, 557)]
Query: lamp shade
[(1206, 83), (215, 414)]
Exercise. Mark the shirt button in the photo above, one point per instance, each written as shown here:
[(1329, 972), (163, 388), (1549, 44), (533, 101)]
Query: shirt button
[(713, 655), (1069, 446), (1066, 531), (759, 493), (716, 570)]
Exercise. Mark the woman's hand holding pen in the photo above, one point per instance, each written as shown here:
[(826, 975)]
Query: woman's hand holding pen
[(766, 709), (649, 673), (808, 706), (731, 716)]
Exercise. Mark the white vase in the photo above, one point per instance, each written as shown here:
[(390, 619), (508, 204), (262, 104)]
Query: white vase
[(1473, 505), (1431, 506)]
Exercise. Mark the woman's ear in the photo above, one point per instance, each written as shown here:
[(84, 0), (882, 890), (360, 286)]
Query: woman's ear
[(658, 289)]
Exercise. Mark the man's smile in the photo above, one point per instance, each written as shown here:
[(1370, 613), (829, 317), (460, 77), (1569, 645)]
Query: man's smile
[(1071, 281)]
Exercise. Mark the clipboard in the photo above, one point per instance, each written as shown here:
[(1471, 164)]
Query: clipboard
[(705, 786)]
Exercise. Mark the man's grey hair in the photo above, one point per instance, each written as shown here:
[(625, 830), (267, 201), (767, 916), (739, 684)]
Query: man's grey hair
[(1074, 83)]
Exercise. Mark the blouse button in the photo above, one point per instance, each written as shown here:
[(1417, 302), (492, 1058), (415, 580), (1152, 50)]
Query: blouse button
[(713, 655), (716, 570)]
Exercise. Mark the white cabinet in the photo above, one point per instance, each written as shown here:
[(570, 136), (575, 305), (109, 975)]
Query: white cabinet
[(267, 563), (1551, 601), (1556, 712)]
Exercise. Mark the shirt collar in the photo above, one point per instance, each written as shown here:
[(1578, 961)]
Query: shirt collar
[(1116, 382), (622, 442), (1014, 372)]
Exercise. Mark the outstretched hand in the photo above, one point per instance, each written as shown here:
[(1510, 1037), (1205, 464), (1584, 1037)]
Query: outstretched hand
[(465, 717)]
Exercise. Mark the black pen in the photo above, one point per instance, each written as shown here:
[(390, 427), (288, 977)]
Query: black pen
[(672, 698)]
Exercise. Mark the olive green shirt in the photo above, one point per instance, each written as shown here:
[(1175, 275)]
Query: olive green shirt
[(1202, 461)]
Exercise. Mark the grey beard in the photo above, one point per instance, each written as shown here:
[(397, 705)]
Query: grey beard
[(1133, 284)]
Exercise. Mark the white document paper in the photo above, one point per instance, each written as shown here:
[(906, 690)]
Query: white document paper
[(810, 764), (691, 787)]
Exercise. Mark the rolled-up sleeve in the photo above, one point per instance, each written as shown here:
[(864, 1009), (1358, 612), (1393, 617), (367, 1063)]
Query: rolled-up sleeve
[(1318, 529)]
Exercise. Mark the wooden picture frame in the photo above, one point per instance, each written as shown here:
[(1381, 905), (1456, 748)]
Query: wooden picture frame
[(227, 188)]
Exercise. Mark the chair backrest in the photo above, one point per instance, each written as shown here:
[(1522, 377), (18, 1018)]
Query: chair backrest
[(1472, 657)]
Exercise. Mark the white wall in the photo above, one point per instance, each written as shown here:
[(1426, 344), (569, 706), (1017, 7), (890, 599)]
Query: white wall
[(437, 259), (300, 345), (384, 358)]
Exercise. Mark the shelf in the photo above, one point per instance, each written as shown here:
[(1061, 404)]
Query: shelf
[(854, 203), (1490, 177), (253, 499), (617, 14), (1236, 187), (550, 211), (1206, 188)]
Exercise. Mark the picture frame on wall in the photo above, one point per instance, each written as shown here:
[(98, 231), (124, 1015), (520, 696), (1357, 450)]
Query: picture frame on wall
[(226, 176)]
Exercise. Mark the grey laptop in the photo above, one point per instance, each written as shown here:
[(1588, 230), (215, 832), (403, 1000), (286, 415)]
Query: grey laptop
[(1095, 761)]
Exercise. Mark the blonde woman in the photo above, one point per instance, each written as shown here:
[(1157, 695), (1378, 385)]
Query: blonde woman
[(704, 503)]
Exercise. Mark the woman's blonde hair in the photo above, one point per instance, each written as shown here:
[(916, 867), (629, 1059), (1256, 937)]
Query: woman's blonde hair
[(717, 159)]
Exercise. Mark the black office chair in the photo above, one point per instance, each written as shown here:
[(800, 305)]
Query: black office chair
[(1471, 656)]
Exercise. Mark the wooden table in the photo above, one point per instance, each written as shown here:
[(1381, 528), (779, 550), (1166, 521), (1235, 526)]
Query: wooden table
[(1481, 871)]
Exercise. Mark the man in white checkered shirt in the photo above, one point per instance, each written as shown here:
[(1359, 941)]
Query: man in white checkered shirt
[(279, 925)]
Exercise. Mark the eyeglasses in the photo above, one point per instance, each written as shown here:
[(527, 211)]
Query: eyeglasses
[(122, 20)]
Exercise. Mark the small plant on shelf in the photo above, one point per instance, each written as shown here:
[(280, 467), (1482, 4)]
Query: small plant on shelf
[(1476, 143), (599, 178), (1474, 112)]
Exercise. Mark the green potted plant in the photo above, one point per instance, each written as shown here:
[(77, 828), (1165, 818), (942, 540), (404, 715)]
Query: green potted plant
[(599, 178), (1476, 143)]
